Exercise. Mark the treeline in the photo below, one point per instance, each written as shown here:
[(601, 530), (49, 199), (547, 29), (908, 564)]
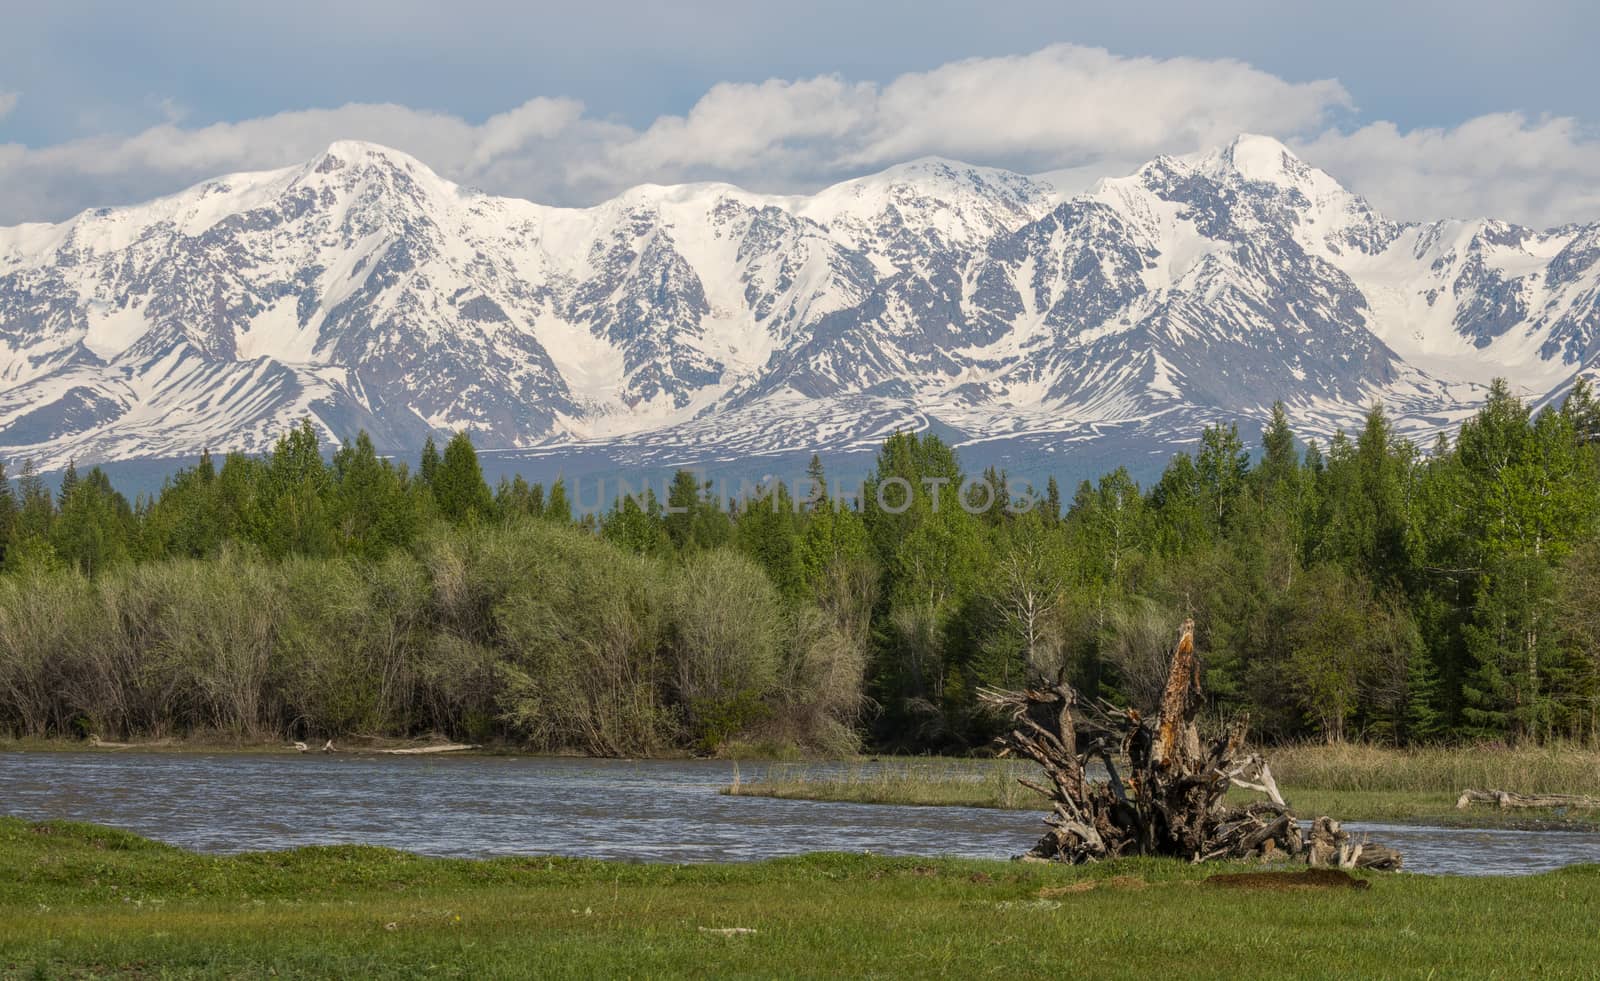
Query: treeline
[(1361, 589)]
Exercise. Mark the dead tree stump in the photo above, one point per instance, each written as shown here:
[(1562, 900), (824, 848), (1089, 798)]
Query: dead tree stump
[(1171, 799)]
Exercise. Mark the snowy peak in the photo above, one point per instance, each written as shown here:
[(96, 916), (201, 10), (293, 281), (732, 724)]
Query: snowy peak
[(364, 291), (1259, 159), (943, 203)]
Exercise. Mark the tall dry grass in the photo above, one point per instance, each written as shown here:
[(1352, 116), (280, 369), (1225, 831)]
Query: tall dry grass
[(1553, 768), (934, 782)]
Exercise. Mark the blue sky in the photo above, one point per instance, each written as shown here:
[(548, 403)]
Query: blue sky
[(1430, 108)]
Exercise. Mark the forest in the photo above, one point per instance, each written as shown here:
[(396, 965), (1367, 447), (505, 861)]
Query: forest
[(1366, 589)]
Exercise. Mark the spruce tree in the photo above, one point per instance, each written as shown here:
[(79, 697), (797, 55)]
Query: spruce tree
[(557, 507), (428, 466), (635, 525), (92, 531), (683, 505), (293, 497), (69, 483), (458, 484), (1423, 721), (37, 508)]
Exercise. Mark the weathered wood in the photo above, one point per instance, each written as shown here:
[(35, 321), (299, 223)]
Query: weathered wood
[(439, 748), (1172, 800), (1177, 743), (1506, 799)]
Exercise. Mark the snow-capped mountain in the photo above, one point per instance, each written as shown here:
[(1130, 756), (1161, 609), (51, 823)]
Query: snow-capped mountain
[(365, 292)]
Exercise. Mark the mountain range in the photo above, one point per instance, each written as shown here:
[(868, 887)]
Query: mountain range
[(705, 322)]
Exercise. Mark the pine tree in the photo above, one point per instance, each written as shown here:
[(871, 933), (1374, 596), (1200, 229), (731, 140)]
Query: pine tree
[(428, 467), (294, 509), (683, 504), (37, 509), (92, 531), (634, 525), (818, 479), (1278, 475), (1376, 517), (1511, 640), (516, 498), (767, 530), (370, 509), (557, 508), (1181, 515), (458, 484), (69, 483), (1424, 721)]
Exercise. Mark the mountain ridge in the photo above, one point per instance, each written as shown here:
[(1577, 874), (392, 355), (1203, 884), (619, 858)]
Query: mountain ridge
[(364, 291)]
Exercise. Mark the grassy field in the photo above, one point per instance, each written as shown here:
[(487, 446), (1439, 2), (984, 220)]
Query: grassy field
[(80, 901), (1354, 783), (936, 782)]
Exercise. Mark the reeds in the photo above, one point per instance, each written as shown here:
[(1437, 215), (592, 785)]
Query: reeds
[(1550, 768), (931, 782)]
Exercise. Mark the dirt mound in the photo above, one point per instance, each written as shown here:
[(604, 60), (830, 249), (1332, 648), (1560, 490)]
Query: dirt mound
[(1115, 882), (1289, 881)]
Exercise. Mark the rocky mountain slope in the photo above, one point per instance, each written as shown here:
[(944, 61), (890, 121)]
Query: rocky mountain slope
[(703, 321)]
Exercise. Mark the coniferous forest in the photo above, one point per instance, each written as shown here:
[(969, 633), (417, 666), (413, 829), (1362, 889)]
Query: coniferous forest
[(1363, 589)]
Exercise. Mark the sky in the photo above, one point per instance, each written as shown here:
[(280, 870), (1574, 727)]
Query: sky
[(1429, 109)]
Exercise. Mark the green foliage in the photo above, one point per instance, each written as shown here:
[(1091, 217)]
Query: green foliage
[(558, 508), (727, 630), (636, 525), (767, 529), (94, 527), (1363, 589), (458, 484)]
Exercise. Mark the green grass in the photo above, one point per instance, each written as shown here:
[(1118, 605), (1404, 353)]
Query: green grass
[(82, 901), (1352, 783)]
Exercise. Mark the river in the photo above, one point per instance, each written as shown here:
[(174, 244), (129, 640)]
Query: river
[(656, 811)]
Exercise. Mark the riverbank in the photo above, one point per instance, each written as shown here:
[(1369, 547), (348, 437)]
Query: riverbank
[(220, 746), (83, 900), (1353, 783)]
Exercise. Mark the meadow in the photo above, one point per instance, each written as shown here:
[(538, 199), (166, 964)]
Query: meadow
[(84, 901)]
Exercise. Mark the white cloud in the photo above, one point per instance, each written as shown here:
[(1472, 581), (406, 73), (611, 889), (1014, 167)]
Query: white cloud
[(8, 102), (1063, 104), (1540, 172), (1078, 111), (1060, 105)]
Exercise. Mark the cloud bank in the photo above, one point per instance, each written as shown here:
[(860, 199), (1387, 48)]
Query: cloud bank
[(1063, 108)]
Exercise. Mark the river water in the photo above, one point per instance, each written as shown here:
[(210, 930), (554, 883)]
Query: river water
[(657, 811)]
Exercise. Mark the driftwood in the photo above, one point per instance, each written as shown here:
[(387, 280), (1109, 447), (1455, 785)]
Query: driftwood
[(1506, 799), (1170, 801), (438, 748)]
